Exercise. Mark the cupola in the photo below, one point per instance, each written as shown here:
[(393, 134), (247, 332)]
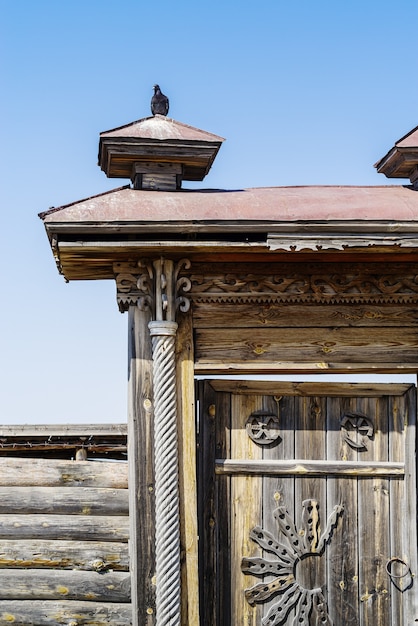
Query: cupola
[(402, 160), (157, 153)]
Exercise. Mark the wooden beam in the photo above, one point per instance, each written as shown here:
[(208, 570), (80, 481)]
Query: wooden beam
[(344, 345), (328, 389), (304, 467)]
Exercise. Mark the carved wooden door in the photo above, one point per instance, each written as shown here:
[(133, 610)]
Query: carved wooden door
[(307, 504)]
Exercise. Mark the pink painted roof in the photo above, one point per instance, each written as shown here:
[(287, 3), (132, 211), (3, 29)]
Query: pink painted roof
[(410, 140), (162, 128), (278, 204)]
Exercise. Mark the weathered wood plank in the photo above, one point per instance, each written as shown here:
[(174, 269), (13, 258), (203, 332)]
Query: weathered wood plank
[(65, 527), (300, 467), (28, 584), (87, 431), (342, 551), (378, 366), (23, 472), (373, 507), (65, 612), (71, 500), (141, 467), (347, 345), (187, 470), (254, 315), (329, 389), (246, 510), (82, 555)]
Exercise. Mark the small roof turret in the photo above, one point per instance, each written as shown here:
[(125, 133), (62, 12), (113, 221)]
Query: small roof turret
[(157, 153), (402, 160)]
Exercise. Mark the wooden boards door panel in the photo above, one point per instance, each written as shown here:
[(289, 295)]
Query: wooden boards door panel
[(307, 504)]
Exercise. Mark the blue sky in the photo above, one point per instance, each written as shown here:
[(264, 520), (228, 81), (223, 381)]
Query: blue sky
[(304, 92)]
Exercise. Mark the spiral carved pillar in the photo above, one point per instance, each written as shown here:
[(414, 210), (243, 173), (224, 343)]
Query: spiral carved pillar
[(167, 521), (164, 298)]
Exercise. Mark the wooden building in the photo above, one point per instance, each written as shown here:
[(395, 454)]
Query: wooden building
[(258, 502)]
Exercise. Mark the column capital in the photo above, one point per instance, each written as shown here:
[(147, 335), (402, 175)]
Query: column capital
[(158, 285)]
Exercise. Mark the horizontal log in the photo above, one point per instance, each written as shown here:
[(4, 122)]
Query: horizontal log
[(304, 468), (347, 345), (91, 586), (24, 472), (65, 612), (65, 527), (84, 432), (68, 501), (78, 554), (254, 315), (330, 389)]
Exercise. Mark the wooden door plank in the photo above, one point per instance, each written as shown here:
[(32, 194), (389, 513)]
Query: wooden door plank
[(374, 513), (222, 517), (411, 540), (246, 510), (398, 514), (278, 489), (207, 510), (310, 437), (342, 551)]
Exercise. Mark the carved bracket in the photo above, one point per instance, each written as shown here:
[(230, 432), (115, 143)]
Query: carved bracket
[(157, 285)]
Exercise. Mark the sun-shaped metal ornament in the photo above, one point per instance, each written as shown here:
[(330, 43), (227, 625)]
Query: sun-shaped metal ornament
[(301, 545)]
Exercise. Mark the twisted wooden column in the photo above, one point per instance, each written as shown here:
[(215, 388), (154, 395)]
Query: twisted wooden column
[(161, 290), (167, 521)]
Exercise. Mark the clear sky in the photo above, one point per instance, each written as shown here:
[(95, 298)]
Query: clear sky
[(304, 92)]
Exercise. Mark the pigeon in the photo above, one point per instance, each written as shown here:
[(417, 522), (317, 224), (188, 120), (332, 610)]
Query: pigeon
[(159, 102)]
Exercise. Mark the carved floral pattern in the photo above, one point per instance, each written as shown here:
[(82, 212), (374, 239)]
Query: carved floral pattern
[(300, 544)]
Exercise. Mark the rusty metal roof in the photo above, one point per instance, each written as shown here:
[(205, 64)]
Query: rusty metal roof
[(267, 204), (161, 128)]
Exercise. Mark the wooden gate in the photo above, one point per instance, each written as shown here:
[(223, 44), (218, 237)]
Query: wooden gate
[(307, 504)]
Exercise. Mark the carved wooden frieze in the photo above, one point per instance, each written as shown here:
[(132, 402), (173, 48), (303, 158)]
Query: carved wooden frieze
[(288, 585), (310, 283), (281, 283)]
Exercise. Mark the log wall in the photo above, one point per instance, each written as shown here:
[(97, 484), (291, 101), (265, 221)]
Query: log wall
[(64, 531)]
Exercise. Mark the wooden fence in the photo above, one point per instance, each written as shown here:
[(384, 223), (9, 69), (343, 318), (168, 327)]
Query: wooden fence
[(64, 530)]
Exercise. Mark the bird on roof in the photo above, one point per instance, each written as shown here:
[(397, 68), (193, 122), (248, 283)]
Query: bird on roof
[(159, 102)]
